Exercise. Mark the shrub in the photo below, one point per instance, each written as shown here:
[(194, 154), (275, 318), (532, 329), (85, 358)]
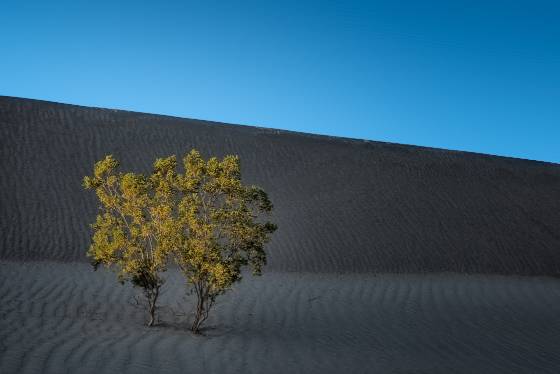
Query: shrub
[(206, 220), (135, 230), (220, 216)]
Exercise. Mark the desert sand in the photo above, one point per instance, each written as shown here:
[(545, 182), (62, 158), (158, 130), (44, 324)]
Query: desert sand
[(388, 259), (59, 318)]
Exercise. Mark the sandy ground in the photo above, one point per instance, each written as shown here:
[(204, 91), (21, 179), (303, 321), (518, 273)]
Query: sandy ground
[(65, 318), (346, 209)]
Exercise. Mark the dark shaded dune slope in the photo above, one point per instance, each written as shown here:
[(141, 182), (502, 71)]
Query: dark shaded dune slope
[(341, 205)]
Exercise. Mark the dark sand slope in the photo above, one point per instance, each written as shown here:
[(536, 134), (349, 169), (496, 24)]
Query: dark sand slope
[(341, 205), (346, 209)]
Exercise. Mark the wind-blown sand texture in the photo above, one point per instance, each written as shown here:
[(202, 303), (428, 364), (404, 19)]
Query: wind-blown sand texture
[(346, 210), (341, 205), (59, 318)]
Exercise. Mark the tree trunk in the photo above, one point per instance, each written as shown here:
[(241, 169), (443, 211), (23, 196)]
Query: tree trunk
[(203, 305), (152, 306), (195, 328)]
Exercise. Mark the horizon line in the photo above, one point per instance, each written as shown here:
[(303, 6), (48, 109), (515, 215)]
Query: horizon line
[(288, 132)]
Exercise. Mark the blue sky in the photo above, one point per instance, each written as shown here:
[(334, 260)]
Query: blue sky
[(481, 76)]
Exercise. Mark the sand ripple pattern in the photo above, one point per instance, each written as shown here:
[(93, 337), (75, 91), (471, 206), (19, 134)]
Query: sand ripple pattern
[(63, 317), (341, 205)]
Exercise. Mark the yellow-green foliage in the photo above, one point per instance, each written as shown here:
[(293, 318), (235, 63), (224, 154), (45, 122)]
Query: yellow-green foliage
[(206, 219), (222, 232), (135, 227), (219, 213)]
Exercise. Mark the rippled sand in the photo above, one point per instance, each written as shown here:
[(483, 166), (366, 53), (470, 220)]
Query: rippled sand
[(59, 318), (341, 205), (346, 210)]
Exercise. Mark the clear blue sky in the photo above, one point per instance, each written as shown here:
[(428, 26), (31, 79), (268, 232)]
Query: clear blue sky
[(481, 76)]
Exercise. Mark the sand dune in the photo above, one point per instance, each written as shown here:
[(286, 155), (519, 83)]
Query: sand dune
[(366, 274), (60, 318), (341, 205)]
